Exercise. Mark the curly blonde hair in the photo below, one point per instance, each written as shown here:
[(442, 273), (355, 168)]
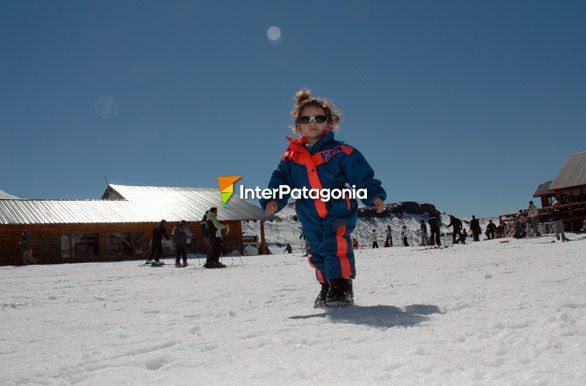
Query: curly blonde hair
[(303, 98)]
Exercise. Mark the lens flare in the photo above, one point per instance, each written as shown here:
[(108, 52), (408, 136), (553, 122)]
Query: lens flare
[(274, 34), (106, 107)]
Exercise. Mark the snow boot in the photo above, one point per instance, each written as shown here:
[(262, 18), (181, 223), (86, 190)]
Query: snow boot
[(178, 264), (214, 264), (185, 264), (340, 293), (320, 301)]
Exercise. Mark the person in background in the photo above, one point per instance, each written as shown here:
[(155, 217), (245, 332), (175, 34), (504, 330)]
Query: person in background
[(501, 229), (305, 247), (423, 233), (389, 237), (463, 236), (26, 246), (533, 214), (404, 236), (558, 219), (203, 226), (215, 232), (374, 239), (490, 230), (475, 228), (288, 248), (434, 220), (181, 235), (457, 233), (159, 232), (520, 225)]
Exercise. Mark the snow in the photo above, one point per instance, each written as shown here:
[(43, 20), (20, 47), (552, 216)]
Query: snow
[(483, 313)]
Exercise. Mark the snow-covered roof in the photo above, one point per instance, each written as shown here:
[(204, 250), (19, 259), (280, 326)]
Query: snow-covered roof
[(185, 203), (572, 174), (7, 196), (128, 204), (543, 189)]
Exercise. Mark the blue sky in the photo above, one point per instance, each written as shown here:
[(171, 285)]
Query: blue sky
[(465, 104)]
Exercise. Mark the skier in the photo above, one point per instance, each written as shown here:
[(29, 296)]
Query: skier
[(181, 234), (159, 232), (404, 236), (318, 161), (389, 238), (203, 226), (423, 233), (288, 248), (215, 233), (305, 247), (434, 221), (373, 239), (475, 228), (457, 224)]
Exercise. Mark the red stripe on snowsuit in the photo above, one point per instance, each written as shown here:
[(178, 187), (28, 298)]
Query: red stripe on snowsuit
[(320, 277), (342, 252), (297, 153)]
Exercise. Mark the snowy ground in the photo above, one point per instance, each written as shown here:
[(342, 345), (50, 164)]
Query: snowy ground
[(486, 313)]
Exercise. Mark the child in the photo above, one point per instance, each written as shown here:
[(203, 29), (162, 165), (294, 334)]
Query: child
[(463, 236), (318, 161)]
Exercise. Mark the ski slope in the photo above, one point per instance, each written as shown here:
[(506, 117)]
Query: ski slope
[(485, 313)]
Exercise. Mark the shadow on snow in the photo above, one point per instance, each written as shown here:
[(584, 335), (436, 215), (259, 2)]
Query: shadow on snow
[(377, 316)]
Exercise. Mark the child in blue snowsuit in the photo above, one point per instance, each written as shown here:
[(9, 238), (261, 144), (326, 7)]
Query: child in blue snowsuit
[(318, 161)]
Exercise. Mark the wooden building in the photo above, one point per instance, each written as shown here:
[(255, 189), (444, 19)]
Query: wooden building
[(569, 186), (116, 227)]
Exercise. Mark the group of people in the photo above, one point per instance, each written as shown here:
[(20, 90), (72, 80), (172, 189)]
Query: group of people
[(212, 232), (459, 232), (388, 237), (527, 222)]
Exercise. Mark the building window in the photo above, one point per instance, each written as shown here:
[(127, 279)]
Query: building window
[(84, 245), (125, 244)]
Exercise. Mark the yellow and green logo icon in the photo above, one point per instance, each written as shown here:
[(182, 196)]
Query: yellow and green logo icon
[(226, 185)]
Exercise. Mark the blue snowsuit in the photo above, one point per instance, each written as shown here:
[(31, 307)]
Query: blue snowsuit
[(327, 226)]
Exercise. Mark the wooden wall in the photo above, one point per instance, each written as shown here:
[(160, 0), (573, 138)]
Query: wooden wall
[(47, 240)]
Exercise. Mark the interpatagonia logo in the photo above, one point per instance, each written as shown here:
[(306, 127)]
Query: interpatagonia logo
[(226, 185)]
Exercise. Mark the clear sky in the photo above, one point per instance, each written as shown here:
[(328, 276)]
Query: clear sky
[(465, 104)]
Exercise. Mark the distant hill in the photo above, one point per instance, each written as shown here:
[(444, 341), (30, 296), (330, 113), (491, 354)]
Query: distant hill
[(408, 213)]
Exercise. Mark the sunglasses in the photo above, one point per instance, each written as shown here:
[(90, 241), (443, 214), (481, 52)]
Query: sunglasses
[(305, 119)]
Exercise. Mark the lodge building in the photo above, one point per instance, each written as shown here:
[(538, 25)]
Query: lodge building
[(116, 227), (569, 186)]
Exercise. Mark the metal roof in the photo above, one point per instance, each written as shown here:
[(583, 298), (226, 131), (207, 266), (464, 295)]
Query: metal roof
[(572, 174), (128, 204), (543, 189), (190, 204), (66, 212)]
